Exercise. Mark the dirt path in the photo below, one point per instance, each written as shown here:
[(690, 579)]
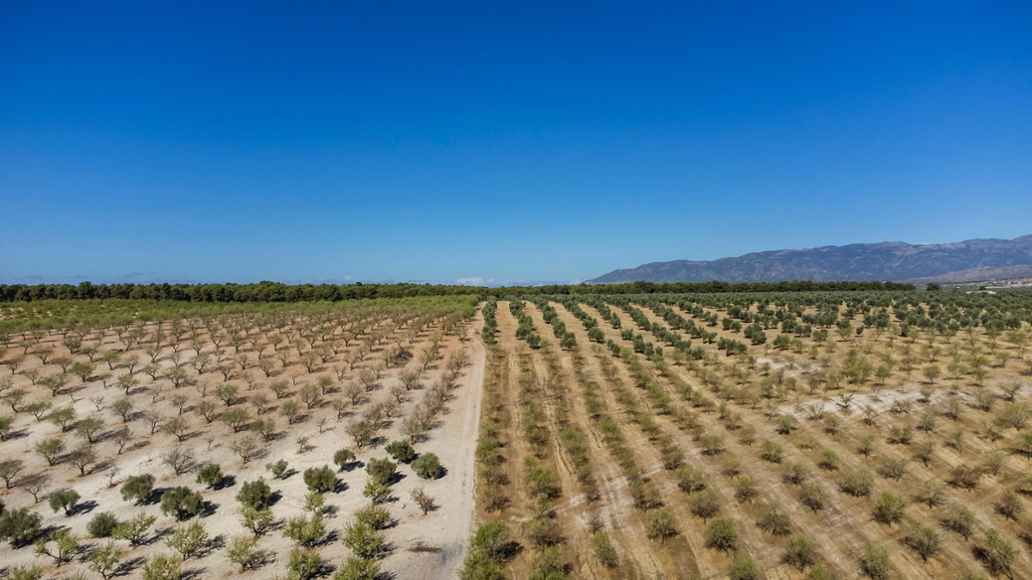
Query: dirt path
[(449, 529)]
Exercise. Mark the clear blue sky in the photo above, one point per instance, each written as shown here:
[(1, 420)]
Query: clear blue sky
[(536, 141)]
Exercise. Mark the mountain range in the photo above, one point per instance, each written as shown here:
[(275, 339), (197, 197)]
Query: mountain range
[(967, 261)]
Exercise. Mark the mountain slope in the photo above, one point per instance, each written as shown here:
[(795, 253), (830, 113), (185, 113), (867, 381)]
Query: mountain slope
[(888, 261)]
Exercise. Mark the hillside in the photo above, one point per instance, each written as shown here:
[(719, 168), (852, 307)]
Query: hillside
[(981, 259)]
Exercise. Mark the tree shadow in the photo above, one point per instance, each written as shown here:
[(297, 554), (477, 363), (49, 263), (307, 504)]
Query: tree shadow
[(129, 566), (207, 509), (83, 507)]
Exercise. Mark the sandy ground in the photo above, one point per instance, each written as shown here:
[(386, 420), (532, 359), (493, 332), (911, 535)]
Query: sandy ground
[(423, 547), (450, 526)]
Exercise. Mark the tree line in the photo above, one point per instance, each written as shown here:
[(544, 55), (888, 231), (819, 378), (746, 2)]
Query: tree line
[(279, 292)]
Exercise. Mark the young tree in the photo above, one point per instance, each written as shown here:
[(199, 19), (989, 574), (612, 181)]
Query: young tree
[(364, 541), (423, 500), (179, 459), (62, 546), (304, 564), (190, 540), (258, 521), (181, 503), (255, 494), (10, 469), (88, 428), (874, 562), (343, 458), (64, 499), (20, 526), (243, 551), (135, 529), (210, 475), (123, 408), (163, 567), (138, 488), (428, 466), (320, 479), (923, 540), (245, 448), (106, 560), (102, 525), (305, 531), (401, 451), (801, 553), (722, 535)]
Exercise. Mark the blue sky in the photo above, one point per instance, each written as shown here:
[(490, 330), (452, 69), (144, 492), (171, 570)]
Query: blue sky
[(520, 142)]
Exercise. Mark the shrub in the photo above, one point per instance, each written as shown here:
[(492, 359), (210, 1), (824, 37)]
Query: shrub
[(690, 479), (138, 488), (189, 539), (931, 494), (258, 521), (605, 553), (163, 568), (772, 452), (745, 490), (489, 548), (375, 516), (134, 530), (829, 460), (996, 553), (856, 483), (364, 541), (106, 560), (775, 521), (343, 458), (255, 494), (923, 540), (811, 494), (800, 553), (705, 504), (243, 551), (401, 451), (428, 466), (32, 572), (20, 526), (722, 535), (210, 475), (660, 525), (382, 470), (376, 491), (358, 569), (544, 531), (743, 568), (959, 519), (423, 500), (320, 479), (278, 469), (874, 562), (549, 564), (1009, 505), (102, 525), (305, 531), (304, 564), (796, 474), (888, 508), (181, 503), (965, 477)]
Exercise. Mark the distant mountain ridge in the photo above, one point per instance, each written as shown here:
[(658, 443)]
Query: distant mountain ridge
[(967, 261)]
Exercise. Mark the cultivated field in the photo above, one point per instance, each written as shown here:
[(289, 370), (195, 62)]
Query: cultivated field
[(778, 436), (172, 440), (708, 435)]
